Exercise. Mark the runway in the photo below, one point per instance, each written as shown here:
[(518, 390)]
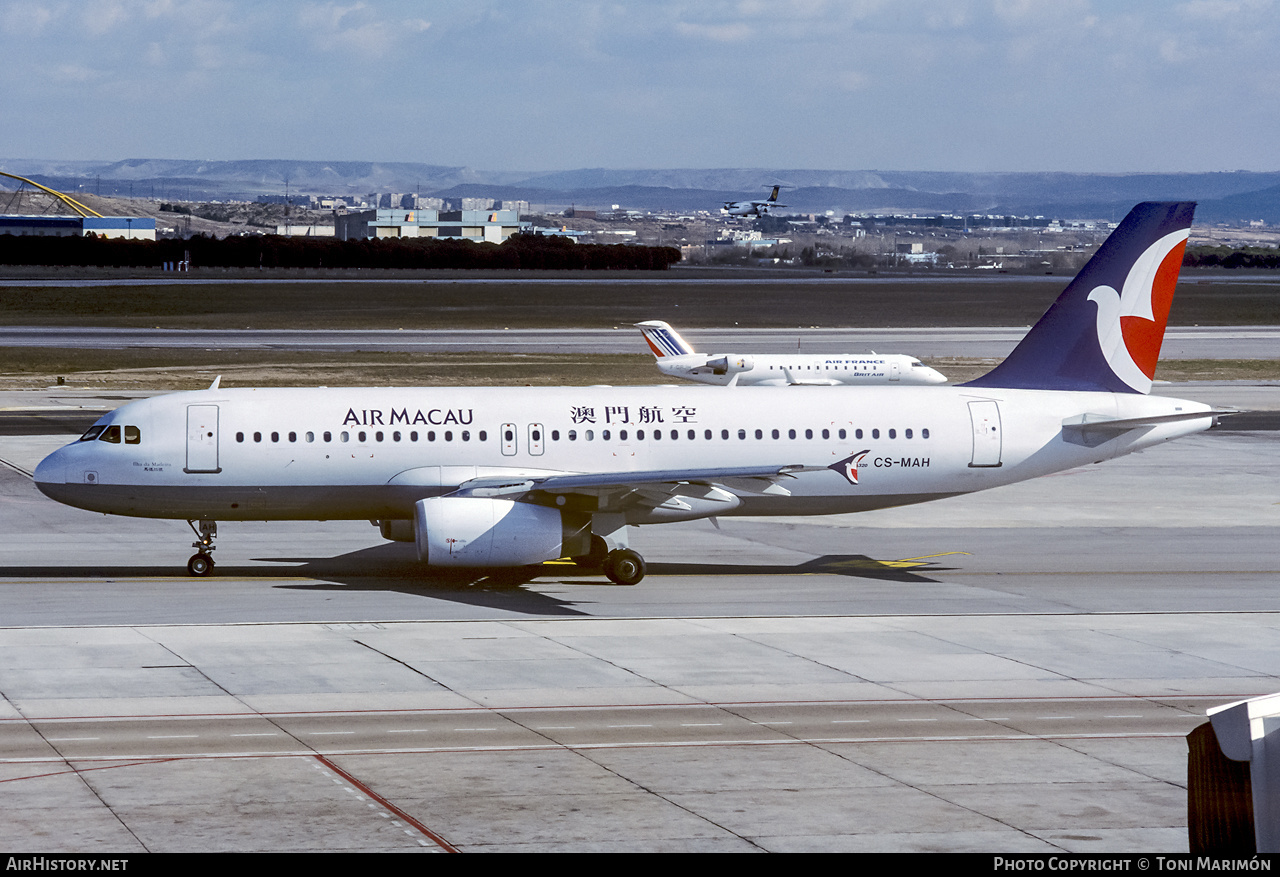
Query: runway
[(1185, 342), (1007, 672)]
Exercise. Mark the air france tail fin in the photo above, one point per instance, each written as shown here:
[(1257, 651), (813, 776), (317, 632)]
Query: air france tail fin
[(663, 340), (1104, 332)]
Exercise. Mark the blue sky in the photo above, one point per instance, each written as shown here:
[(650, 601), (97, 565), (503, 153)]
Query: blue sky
[(965, 85)]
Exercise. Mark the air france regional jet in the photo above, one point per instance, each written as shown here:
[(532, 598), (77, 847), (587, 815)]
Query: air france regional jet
[(677, 359), (758, 207), (507, 477)]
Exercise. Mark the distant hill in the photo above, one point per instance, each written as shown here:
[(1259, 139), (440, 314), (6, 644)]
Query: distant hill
[(1224, 197)]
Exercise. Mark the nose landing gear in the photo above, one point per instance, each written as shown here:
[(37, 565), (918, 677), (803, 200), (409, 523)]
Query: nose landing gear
[(200, 563)]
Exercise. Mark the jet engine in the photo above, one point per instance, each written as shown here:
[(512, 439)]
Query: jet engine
[(730, 364), (485, 532)]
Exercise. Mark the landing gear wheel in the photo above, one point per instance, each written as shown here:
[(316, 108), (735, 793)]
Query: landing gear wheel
[(595, 558), (624, 567), (200, 565)]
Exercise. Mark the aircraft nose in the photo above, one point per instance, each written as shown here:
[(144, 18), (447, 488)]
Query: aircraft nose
[(52, 469), (937, 377)]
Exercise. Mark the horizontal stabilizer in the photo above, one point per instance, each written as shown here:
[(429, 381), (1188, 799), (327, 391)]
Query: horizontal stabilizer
[(1092, 430)]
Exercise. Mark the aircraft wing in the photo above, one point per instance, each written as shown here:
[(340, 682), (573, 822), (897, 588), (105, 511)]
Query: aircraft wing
[(619, 491), (795, 381)]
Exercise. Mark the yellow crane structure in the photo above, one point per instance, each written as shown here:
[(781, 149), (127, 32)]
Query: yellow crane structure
[(65, 199)]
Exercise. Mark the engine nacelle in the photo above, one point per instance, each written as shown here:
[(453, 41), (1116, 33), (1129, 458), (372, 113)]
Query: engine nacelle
[(730, 364), (484, 532)]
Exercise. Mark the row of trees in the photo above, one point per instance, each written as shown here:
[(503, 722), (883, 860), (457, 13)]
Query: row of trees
[(536, 252), (1226, 257)]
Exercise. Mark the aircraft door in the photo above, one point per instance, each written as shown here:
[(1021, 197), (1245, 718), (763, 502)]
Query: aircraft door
[(535, 439), (895, 370), (987, 440), (508, 439), (202, 438)]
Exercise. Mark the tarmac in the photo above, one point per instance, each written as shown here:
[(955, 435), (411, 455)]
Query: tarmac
[(1014, 671)]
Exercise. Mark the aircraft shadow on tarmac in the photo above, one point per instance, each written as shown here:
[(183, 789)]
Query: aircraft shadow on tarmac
[(394, 567)]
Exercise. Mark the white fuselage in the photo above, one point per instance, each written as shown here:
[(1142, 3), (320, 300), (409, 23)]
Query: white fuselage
[(781, 370), (371, 453)]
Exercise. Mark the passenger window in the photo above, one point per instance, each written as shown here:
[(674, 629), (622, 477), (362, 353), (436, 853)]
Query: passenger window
[(924, 433), (466, 435), (875, 433), (395, 436), (857, 433), (293, 436), (448, 435), (328, 436), (110, 434), (275, 436), (239, 437), (589, 435), (132, 435), (257, 436), (907, 433), (311, 436), (826, 433), (843, 434), (413, 436), (484, 436)]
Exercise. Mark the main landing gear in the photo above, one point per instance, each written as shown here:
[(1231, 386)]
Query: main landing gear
[(622, 565), (200, 563)]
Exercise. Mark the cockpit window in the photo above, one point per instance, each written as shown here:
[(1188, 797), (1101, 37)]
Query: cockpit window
[(93, 433), (132, 435), (111, 434)]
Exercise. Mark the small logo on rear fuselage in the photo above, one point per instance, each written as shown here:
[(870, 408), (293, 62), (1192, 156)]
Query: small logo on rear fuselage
[(848, 467)]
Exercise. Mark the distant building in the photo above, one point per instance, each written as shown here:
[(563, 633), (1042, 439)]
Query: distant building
[(131, 227), (309, 231), (493, 226)]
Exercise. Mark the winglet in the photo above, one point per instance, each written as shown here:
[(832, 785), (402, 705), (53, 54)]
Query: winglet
[(1104, 332), (663, 340)]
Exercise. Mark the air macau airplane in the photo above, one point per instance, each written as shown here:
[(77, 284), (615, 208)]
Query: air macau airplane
[(513, 477)]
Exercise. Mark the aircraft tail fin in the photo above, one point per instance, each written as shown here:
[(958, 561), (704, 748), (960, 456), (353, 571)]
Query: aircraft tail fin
[(773, 196), (1104, 332), (663, 340)]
